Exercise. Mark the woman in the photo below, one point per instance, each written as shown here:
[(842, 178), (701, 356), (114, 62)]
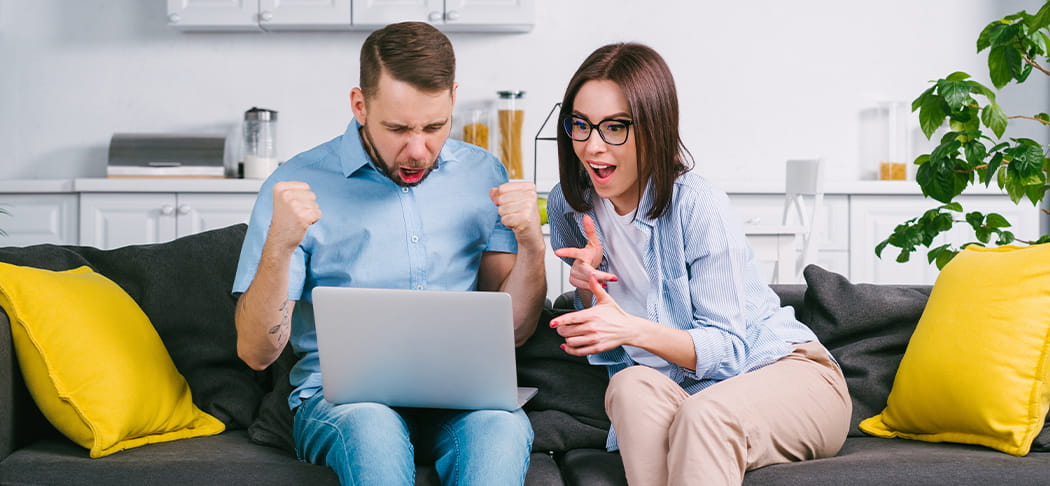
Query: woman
[(710, 376)]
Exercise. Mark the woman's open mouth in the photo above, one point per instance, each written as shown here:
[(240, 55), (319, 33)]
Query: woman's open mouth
[(602, 172)]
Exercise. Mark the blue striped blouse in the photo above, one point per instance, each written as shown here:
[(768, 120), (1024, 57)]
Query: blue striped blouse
[(703, 278)]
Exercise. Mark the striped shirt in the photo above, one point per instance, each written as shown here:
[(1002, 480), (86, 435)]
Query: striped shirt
[(703, 278)]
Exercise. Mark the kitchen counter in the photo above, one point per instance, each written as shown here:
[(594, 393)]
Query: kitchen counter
[(28, 186)]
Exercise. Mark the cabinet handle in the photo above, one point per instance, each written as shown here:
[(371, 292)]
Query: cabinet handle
[(266, 16), (174, 18), (755, 220), (452, 16), (167, 210), (435, 16), (184, 209)]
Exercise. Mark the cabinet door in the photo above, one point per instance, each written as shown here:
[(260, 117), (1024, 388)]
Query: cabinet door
[(874, 217), (33, 219), (114, 220), (214, 14), (203, 212), (503, 15), (377, 13), (557, 272), (304, 14)]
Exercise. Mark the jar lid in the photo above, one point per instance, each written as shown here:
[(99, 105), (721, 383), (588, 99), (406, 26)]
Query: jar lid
[(510, 94), (260, 114)]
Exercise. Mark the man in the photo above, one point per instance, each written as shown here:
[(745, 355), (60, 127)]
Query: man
[(392, 203)]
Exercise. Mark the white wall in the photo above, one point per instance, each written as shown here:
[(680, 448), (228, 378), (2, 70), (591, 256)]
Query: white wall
[(760, 81)]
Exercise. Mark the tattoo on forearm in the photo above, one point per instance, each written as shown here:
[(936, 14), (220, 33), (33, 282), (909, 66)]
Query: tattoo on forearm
[(280, 331)]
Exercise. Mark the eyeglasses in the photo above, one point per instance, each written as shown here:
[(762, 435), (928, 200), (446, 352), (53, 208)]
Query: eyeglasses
[(612, 130)]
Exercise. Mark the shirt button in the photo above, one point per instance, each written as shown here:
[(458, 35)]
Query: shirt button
[(415, 239), (419, 287), (404, 189)]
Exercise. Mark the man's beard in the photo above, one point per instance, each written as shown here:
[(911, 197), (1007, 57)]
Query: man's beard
[(384, 168)]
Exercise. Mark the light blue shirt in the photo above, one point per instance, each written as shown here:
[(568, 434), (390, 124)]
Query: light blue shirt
[(376, 234), (703, 278)]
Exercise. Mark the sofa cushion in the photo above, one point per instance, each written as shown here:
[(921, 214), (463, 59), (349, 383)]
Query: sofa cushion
[(183, 286), (94, 364), (977, 368), (866, 328), (568, 412)]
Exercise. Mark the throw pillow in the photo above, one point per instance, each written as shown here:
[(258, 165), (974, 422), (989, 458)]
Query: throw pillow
[(94, 364), (183, 286), (866, 328), (977, 368)]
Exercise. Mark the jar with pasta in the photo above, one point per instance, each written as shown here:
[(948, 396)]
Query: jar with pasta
[(510, 115)]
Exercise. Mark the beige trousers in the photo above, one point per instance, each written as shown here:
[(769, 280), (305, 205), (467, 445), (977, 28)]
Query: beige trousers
[(795, 409)]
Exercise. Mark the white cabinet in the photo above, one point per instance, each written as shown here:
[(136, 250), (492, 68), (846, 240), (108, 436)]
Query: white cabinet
[(873, 218), (259, 15), (557, 271), (214, 14), (111, 220), (39, 218), (832, 230), (449, 15), (275, 15)]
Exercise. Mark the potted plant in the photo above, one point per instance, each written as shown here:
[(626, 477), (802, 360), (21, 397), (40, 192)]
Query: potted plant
[(972, 151)]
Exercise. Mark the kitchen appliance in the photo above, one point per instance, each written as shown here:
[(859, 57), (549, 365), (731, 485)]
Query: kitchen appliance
[(166, 155)]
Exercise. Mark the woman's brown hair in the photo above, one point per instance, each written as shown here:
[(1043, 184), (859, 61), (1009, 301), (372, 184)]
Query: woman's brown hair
[(412, 52), (647, 84)]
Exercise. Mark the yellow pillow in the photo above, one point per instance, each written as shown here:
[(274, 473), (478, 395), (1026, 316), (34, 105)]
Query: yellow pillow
[(93, 362), (976, 371)]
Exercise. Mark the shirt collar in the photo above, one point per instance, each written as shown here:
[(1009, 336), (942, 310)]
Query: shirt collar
[(353, 156)]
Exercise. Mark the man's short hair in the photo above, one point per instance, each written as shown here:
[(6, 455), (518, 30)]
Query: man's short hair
[(412, 52)]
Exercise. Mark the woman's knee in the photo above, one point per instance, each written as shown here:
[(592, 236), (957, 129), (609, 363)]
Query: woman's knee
[(633, 384)]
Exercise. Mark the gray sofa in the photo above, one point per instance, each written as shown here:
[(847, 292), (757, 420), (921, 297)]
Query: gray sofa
[(183, 286)]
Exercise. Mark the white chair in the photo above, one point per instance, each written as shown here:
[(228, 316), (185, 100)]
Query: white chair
[(804, 179)]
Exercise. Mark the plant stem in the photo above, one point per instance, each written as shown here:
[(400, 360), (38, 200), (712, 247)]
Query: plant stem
[(1044, 122), (1034, 64)]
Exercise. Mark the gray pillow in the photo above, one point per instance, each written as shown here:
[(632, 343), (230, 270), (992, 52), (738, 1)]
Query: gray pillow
[(183, 286), (866, 327)]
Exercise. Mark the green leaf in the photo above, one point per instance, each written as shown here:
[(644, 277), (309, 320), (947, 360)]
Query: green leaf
[(984, 40), (1005, 238), (993, 165), (996, 220), (881, 246), (945, 256), (955, 93), (984, 235), (975, 152), (995, 118), (1043, 117), (1040, 19), (975, 219), (1035, 193), (1043, 239), (932, 254), (953, 206), (904, 256), (981, 89), (932, 114), (999, 65), (922, 159), (957, 76), (918, 101)]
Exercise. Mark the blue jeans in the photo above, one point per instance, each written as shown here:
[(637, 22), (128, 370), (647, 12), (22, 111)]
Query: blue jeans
[(372, 444)]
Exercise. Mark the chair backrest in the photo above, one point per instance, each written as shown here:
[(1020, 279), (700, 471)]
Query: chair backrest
[(804, 178)]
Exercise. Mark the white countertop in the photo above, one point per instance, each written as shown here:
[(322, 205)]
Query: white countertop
[(252, 185)]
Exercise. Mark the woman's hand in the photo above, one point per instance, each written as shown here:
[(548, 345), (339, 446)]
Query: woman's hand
[(587, 259), (599, 328)]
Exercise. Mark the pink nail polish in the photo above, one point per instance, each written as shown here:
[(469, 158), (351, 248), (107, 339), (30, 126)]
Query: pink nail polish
[(614, 279), (554, 324), (562, 347)]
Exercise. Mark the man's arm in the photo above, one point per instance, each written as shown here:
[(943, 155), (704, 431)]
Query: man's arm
[(264, 311), (523, 276)]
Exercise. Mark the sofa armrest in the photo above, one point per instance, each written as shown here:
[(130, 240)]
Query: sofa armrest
[(7, 388)]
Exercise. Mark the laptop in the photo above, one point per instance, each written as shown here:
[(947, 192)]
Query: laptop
[(418, 348)]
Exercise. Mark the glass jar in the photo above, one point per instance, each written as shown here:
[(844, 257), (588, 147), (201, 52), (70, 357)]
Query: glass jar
[(510, 116), (260, 143)]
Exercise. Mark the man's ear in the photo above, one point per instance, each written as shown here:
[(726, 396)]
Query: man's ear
[(358, 106), (454, 86)]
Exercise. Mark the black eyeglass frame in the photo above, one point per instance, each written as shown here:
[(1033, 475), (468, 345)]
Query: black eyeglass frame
[(566, 125)]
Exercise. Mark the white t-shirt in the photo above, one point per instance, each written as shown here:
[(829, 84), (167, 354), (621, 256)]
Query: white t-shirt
[(624, 250)]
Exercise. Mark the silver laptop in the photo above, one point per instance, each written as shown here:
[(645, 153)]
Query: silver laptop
[(418, 348)]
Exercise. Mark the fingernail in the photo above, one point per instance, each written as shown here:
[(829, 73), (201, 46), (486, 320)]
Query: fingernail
[(614, 279), (554, 324), (605, 286), (562, 346)]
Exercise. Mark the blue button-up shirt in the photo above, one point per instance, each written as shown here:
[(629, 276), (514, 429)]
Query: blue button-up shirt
[(374, 233)]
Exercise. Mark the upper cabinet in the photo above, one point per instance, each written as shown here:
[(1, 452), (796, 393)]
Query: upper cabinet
[(275, 15)]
